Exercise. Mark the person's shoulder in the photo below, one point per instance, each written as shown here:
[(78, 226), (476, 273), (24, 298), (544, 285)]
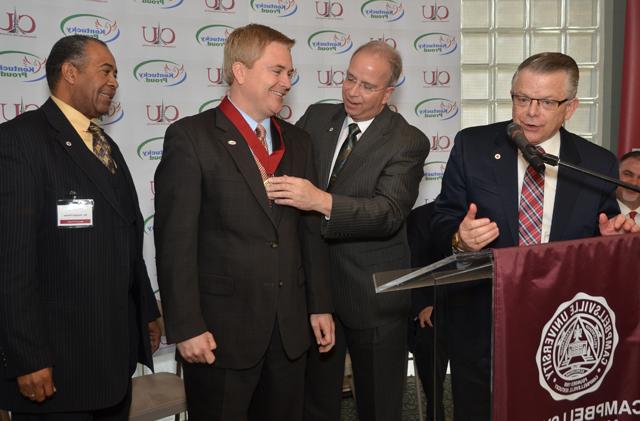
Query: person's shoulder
[(485, 131), (588, 148)]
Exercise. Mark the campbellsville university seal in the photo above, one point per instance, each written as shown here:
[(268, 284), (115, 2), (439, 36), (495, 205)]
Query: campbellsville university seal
[(576, 347)]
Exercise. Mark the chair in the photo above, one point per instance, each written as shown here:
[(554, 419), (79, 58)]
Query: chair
[(4, 416), (158, 395)]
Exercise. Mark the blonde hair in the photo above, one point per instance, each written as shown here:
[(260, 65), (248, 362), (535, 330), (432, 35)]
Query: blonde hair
[(246, 45)]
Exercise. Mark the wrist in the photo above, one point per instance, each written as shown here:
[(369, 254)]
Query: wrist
[(456, 243)]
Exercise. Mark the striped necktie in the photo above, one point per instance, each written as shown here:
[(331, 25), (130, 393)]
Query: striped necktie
[(345, 151), (531, 203)]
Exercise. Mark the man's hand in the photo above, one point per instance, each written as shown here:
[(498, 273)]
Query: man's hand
[(474, 233), (619, 224), (154, 335), (324, 330), (198, 349), (37, 386), (299, 193), (424, 317)]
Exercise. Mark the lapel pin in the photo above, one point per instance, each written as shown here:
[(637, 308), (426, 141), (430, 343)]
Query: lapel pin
[(231, 142), (497, 156), (68, 143)]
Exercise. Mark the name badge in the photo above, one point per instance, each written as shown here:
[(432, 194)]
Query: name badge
[(75, 213)]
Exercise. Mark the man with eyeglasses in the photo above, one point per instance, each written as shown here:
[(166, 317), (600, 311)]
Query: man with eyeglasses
[(369, 161), (480, 206)]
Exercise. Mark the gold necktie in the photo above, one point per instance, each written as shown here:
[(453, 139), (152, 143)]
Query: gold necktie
[(101, 148)]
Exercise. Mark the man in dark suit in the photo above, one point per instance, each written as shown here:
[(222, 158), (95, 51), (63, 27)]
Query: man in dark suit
[(490, 197), (241, 278), (76, 305), (369, 193)]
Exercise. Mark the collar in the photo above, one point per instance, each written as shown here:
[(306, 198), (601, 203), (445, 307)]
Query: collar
[(266, 123)]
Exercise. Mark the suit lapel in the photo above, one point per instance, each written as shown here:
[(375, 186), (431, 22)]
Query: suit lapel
[(329, 141), (71, 142), (566, 191), (505, 157), (373, 138), (238, 149)]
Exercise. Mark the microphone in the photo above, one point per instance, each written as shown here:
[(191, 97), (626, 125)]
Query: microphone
[(530, 153)]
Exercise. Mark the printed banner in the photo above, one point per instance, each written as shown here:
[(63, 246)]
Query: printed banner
[(567, 331), (169, 57)]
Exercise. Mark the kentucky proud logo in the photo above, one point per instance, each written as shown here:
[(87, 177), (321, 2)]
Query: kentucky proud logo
[(160, 73), (213, 35), (151, 149), (21, 66), (437, 109), (576, 347), (436, 43), (382, 10), (90, 25), (330, 42), (163, 4), (279, 8)]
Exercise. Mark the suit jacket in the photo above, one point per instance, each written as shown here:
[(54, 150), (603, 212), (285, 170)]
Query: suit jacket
[(228, 261), (474, 174), (372, 197), (65, 294)]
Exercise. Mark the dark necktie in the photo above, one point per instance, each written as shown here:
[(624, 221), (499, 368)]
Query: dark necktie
[(345, 151), (101, 148), (530, 212)]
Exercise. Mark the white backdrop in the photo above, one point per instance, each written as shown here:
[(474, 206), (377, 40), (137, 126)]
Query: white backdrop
[(169, 56)]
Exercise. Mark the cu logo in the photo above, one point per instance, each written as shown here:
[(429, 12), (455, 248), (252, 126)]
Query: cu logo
[(17, 23), (9, 111), (435, 12), (331, 77), (329, 9), (388, 40), (162, 113), (158, 35), (436, 77), (215, 75), (440, 143), (220, 5)]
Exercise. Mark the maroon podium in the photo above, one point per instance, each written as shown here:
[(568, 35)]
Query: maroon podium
[(566, 325)]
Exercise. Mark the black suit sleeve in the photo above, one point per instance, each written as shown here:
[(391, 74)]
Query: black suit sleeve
[(178, 181), (23, 337)]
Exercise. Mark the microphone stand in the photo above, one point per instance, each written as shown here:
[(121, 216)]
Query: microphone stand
[(555, 161)]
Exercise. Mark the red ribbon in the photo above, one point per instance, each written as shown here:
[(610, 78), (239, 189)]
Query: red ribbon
[(269, 162)]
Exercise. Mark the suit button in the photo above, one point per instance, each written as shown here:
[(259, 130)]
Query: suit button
[(274, 245), (280, 284)]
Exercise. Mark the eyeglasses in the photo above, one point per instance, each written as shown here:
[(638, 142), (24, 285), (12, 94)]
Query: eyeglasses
[(545, 103), (350, 81)]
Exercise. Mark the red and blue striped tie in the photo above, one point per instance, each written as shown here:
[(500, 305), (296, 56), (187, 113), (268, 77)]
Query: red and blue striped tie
[(530, 212)]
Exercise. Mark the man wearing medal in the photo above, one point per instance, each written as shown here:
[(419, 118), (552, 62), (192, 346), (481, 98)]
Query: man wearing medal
[(243, 281)]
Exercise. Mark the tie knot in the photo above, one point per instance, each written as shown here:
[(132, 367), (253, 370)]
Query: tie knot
[(94, 128), (261, 132), (353, 130)]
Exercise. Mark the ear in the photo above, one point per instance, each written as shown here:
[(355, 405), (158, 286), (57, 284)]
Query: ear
[(69, 72), (239, 72), (387, 94), (571, 108)]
